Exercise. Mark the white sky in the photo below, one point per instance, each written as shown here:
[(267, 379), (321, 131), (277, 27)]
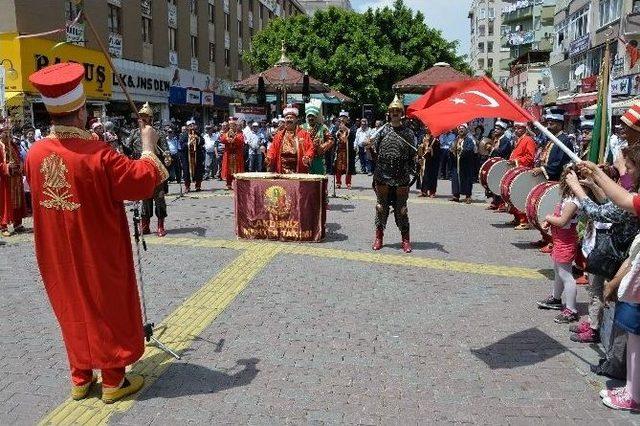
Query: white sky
[(450, 16)]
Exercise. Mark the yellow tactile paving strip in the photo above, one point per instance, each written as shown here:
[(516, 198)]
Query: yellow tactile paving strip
[(180, 329)]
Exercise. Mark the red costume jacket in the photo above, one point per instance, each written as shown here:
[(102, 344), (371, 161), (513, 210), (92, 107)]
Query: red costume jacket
[(524, 152), (12, 199), (233, 156), (83, 242), (304, 150)]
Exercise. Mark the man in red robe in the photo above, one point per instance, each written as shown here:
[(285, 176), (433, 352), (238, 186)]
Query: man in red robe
[(523, 155), (233, 156), (78, 187), (12, 197), (292, 148)]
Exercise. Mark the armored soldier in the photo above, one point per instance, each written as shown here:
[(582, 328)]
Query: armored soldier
[(394, 147), (134, 143)]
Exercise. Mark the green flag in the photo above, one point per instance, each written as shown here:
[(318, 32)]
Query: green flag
[(600, 134)]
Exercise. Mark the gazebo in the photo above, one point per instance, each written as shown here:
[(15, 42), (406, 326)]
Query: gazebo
[(441, 72), (281, 79)]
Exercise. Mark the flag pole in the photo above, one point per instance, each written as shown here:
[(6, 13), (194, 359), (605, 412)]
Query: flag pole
[(536, 123)]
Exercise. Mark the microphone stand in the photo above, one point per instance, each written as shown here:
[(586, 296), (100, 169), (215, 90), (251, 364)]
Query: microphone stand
[(146, 324)]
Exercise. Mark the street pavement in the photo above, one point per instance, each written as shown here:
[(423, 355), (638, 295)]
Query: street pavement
[(329, 333)]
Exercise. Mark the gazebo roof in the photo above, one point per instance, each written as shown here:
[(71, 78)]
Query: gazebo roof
[(439, 73), (279, 77)]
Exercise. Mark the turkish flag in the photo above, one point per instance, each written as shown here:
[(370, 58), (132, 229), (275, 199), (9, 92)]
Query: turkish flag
[(446, 106)]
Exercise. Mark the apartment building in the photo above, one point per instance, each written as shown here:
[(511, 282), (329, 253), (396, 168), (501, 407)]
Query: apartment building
[(486, 50), (583, 29), (182, 55), (312, 5)]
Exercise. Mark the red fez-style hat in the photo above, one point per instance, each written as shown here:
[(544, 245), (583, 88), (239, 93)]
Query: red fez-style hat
[(632, 117), (61, 87)]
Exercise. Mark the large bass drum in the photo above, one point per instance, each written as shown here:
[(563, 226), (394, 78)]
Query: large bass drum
[(517, 184), (541, 202), (491, 173)]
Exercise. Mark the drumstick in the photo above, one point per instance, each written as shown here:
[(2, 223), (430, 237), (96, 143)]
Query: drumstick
[(558, 143)]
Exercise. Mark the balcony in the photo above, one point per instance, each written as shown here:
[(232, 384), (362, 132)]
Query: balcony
[(517, 15), (517, 38)]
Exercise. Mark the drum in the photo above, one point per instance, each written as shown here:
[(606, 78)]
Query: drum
[(491, 173), (256, 175), (520, 183), (542, 201)]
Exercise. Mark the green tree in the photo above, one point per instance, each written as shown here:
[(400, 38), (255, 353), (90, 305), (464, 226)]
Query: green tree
[(359, 54)]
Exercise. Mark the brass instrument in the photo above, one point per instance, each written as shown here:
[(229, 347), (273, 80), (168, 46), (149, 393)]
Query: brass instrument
[(192, 152)]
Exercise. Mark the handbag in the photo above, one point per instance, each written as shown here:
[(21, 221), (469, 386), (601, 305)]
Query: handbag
[(606, 258)]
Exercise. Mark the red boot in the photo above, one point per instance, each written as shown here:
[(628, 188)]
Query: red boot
[(377, 243), (198, 186), (145, 225), (161, 232), (406, 244), (187, 187)]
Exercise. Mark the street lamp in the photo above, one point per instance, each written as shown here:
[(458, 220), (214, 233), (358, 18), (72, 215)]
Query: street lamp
[(11, 74)]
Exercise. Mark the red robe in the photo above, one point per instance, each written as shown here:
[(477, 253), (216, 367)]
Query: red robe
[(12, 198), (83, 243), (524, 152), (304, 150), (233, 156)]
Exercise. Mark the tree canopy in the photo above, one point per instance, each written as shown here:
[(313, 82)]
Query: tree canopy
[(359, 54)]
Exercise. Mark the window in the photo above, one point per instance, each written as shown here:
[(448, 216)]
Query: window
[(490, 26), (609, 11), (250, 5), (173, 37), (261, 11), (147, 36), (492, 13), (212, 52), (481, 63), (212, 13), (194, 46), (251, 33), (481, 31), (483, 13), (481, 47), (490, 63), (114, 19), (239, 29), (226, 22), (193, 7), (636, 6), (489, 47), (227, 55), (579, 23)]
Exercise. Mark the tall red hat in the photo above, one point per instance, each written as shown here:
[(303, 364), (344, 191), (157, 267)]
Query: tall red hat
[(61, 87), (632, 117)]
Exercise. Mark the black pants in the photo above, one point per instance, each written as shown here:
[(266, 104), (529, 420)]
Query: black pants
[(388, 196), (159, 201)]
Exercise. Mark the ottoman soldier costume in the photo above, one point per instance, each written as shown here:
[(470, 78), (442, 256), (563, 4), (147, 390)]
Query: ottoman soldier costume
[(134, 142), (395, 151), (321, 137)]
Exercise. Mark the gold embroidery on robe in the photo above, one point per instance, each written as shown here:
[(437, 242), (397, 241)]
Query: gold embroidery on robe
[(56, 185)]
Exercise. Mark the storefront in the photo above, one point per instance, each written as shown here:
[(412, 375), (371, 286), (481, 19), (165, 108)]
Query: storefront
[(28, 55), (144, 83)]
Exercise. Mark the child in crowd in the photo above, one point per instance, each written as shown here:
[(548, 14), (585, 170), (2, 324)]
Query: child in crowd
[(565, 239)]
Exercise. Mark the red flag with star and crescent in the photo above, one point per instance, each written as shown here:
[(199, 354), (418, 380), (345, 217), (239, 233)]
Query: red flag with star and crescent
[(447, 105)]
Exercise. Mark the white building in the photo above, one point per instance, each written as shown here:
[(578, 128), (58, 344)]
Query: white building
[(312, 5), (486, 51)]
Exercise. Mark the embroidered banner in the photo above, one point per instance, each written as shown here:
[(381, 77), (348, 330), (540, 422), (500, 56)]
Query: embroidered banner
[(285, 208)]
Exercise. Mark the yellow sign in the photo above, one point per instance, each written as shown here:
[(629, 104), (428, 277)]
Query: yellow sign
[(31, 54)]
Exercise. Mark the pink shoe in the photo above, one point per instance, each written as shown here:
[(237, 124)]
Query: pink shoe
[(589, 336), (608, 393), (621, 401), (580, 327)]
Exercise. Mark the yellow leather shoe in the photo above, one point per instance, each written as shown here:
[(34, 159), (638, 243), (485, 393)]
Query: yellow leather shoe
[(81, 392), (132, 384)]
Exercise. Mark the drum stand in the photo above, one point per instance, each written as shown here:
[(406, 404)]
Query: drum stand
[(147, 326)]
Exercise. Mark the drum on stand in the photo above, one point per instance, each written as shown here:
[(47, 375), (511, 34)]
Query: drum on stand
[(541, 202), (491, 173), (505, 183), (521, 182)]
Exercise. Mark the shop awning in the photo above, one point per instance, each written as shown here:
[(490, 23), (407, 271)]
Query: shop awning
[(580, 98), (617, 107)]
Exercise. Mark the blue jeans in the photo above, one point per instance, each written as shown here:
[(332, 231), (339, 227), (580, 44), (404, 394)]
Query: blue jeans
[(255, 162), (364, 163)]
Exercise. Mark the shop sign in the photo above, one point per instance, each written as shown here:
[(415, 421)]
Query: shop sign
[(207, 98), (193, 96), (579, 45), (143, 80), (635, 84), (172, 15), (190, 79), (145, 6), (75, 33), (115, 45), (618, 65), (173, 58), (621, 86), (32, 54), (194, 64)]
